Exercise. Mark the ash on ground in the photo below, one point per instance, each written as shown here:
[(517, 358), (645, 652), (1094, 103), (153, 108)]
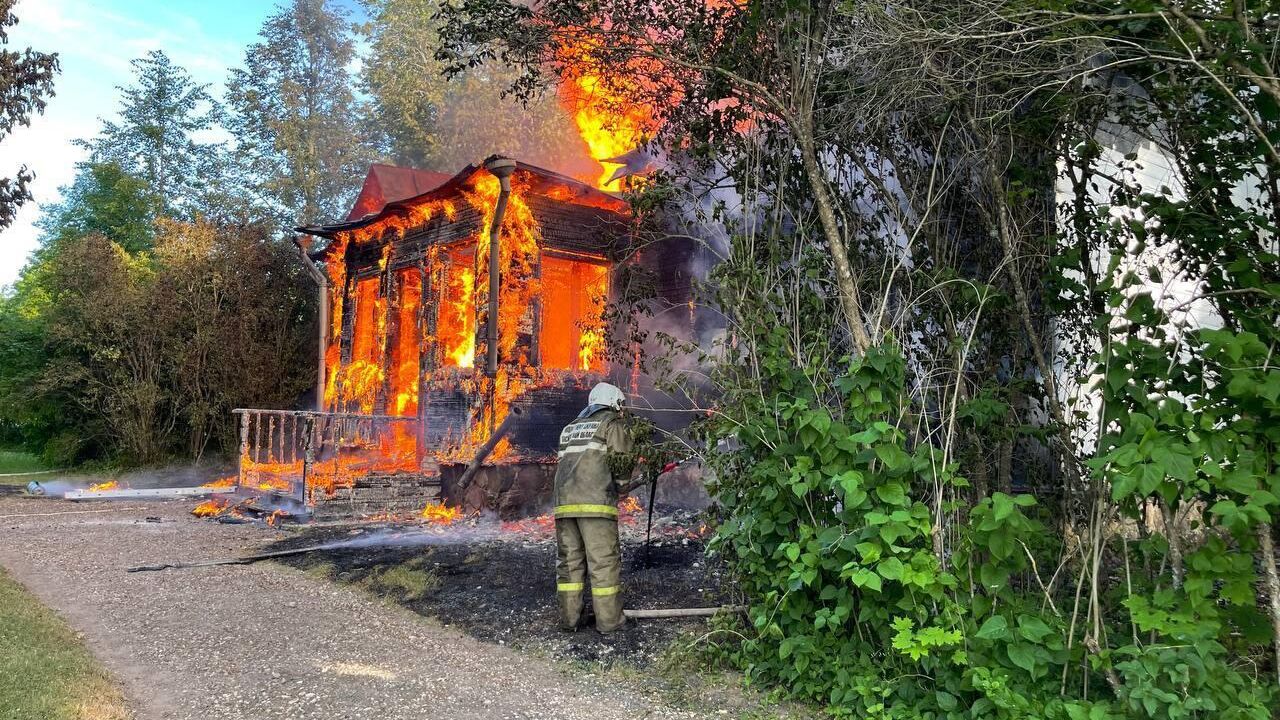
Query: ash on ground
[(497, 582)]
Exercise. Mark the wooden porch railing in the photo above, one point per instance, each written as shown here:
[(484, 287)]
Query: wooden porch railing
[(296, 452)]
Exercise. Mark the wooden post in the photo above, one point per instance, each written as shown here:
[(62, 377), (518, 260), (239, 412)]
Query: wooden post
[(426, 329), (308, 456), (256, 451), (535, 350), (336, 442), (244, 447), (322, 296), (271, 439)]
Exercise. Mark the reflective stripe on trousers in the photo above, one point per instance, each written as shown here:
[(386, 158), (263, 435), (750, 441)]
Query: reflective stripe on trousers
[(563, 510)]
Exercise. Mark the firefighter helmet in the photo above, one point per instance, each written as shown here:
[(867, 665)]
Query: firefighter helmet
[(607, 395)]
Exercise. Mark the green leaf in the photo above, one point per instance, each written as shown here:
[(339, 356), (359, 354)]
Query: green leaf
[(893, 457), (849, 480), (1033, 628), (1174, 464), (1023, 655), (1123, 485), (1001, 544), (993, 576), (855, 499), (1002, 506), (892, 493), (890, 569), (870, 552), (1150, 475), (995, 628), (865, 578)]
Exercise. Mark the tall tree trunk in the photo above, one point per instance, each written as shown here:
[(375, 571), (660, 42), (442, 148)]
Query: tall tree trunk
[(849, 301), (1267, 549)]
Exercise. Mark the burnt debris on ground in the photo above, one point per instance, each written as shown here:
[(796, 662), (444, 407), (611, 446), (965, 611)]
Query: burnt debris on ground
[(499, 585)]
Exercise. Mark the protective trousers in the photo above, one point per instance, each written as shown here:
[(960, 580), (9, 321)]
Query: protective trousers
[(589, 545)]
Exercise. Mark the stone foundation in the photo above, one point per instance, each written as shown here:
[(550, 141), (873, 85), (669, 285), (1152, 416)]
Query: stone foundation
[(512, 491)]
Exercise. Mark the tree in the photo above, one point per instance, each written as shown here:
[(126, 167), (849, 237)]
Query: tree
[(105, 347), (239, 318), (295, 116), (421, 117), (103, 200), (162, 116), (26, 83), (403, 78), (138, 357)]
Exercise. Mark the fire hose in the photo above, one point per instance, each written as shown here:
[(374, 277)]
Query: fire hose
[(653, 494)]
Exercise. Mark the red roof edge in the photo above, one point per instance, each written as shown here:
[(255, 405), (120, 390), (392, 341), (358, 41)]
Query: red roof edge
[(386, 184)]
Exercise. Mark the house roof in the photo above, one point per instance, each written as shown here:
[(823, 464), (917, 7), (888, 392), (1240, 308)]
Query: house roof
[(387, 183), (561, 188)]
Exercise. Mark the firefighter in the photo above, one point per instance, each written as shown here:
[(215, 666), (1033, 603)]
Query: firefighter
[(595, 466)]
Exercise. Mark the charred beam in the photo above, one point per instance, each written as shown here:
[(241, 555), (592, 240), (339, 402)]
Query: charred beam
[(483, 453)]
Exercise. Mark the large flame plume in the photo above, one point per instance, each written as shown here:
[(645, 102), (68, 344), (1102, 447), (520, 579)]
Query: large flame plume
[(609, 120)]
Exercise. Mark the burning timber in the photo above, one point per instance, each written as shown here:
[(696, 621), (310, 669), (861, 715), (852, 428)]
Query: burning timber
[(462, 324)]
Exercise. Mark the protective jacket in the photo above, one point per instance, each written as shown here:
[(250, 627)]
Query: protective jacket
[(585, 486)]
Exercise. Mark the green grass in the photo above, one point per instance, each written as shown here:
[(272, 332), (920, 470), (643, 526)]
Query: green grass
[(402, 582), (408, 581), (45, 671), (18, 461)]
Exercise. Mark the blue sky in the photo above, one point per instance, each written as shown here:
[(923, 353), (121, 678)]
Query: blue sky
[(95, 41)]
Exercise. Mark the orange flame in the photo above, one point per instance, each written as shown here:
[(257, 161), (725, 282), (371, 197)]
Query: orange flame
[(438, 514), (211, 508), (103, 486), (405, 356), (609, 123), (458, 314)]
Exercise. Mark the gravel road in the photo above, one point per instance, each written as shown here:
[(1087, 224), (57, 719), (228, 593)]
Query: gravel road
[(264, 640)]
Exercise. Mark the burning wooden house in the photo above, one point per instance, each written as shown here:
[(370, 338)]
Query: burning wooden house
[(453, 307)]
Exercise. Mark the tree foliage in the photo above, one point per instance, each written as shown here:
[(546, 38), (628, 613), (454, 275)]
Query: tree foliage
[(294, 113), (103, 200), (141, 356), (158, 136), (418, 115), (26, 84)]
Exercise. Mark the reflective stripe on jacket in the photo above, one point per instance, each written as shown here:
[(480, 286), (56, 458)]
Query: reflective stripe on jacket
[(584, 486)]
